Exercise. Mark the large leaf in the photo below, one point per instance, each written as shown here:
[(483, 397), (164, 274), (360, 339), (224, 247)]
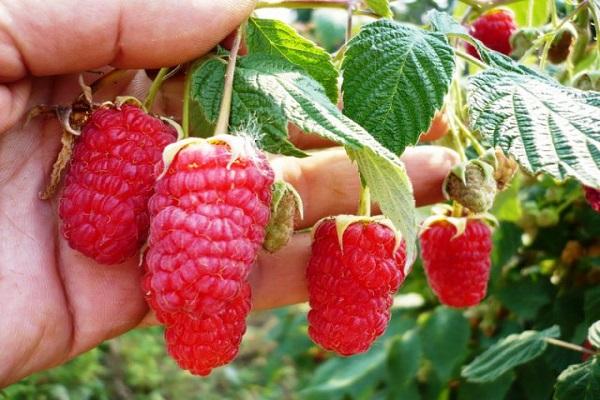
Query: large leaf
[(404, 359), (391, 188), (594, 334), (546, 127), (445, 336), (381, 7), (278, 39), (340, 377), (395, 79), (508, 353), (579, 381), (270, 92)]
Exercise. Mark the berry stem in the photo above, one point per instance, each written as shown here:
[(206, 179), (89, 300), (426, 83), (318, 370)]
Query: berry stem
[(154, 88), (364, 202), (469, 135), (570, 346), (185, 115), (350, 10), (225, 111), (530, 14), (470, 59), (338, 4)]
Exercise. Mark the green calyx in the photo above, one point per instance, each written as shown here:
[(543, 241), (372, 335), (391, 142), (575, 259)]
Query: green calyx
[(286, 209), (342, 222)]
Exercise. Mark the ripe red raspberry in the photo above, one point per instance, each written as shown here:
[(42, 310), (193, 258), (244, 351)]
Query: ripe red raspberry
[(199, 344), (208, 219), (115, 162), (593, 197), (350, 290), (457, 268), (494, 29)]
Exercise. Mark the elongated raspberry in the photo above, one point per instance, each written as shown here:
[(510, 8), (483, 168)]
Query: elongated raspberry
[(199, 344), (209, 213), (593, 197), (494, 29), (458, 267), (350, 291), (115, 163)]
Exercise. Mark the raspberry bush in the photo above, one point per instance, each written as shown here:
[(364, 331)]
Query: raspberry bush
[(492, 295)]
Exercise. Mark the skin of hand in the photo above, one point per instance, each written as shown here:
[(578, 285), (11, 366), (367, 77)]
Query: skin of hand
[(57, 303)]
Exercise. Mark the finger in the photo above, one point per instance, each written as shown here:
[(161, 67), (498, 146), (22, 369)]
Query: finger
[(279, 279), (328, 181), (57, 37)]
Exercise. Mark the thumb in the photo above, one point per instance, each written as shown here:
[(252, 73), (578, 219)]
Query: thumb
[(58, 37)]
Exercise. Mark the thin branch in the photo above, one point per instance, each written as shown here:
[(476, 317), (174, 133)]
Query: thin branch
[(225, 111), (569, 346)]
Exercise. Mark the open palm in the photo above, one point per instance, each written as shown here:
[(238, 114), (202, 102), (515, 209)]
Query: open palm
[(55, 302)]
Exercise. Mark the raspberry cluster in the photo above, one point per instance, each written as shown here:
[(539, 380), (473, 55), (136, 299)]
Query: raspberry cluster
[(208, 219), (113, 168), (351, 287)]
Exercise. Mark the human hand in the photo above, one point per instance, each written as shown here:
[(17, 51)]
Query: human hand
[(57, 303)]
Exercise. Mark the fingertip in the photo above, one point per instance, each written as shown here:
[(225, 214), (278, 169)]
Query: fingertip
[(427, 167)]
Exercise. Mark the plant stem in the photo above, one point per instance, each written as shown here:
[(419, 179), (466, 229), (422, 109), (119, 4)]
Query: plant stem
[(470, 59), (469, 135), (339, 4), (569, 346), (350, 10), (364, 202), (530, 14), (225, 111), (155, 87), (185, 116)]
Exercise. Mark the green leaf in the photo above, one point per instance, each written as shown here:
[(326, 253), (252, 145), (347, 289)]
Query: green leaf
[(339, 377), (445, 336), (508, 353), (395, 79), (525, 297), (545, 126), (594, 334), (380, 7), (270, 92), (277, 39), (404, 358), (391, 188), (579, 381), (495, 390), (250, 111)]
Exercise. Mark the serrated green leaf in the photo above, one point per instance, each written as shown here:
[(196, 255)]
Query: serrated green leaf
[(546, 127), (404, 358), (253, 111), (391, 188), (270, 92), (508, 353), (594, 334), (579, 381), (445, 337), (380, 7), (395, 78), (275, 38)]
